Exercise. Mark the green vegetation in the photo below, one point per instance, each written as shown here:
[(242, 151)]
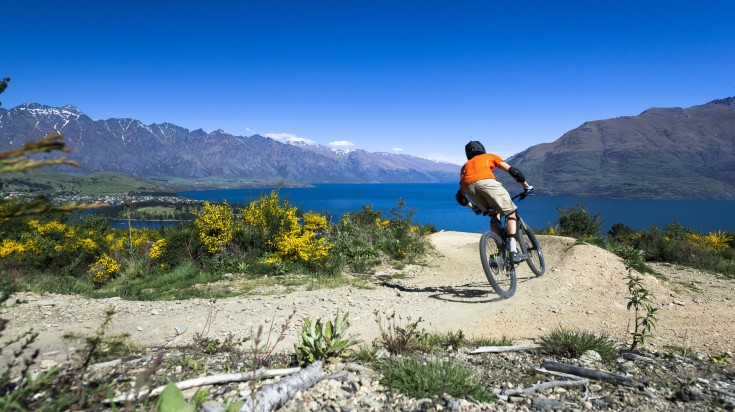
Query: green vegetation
[(422, 378), (95, 184), (573, 343), (267, 242), (674, 243), (577, 221), (645, 314)]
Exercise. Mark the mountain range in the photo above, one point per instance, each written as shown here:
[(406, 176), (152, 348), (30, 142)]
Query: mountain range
[(663, 153), (164, 151)]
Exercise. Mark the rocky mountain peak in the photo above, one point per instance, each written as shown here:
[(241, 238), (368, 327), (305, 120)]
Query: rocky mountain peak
[(169, 151)]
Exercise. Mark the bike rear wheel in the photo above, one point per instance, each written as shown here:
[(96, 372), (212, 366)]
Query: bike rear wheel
[(532, 249), (499, 269)]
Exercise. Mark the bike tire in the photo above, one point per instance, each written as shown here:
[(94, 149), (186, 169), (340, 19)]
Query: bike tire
[(499, 269), (531, 247)]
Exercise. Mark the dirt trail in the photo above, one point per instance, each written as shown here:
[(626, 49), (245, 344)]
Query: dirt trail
[(583, 288)]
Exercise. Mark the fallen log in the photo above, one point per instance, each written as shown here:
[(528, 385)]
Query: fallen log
[(276, 394), (587, 373), (206, 380), (499, 349)]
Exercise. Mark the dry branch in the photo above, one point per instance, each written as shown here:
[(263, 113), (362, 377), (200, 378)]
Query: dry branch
[(636, 357), (587, 373), (499, 349), (207, 380), (546, 385)]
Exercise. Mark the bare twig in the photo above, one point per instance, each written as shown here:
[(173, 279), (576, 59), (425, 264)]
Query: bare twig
[(723, 392), (636, 357), (499, 349), (209, 380), (546, 385)]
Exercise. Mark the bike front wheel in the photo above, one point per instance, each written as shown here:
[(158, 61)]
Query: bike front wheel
[(532, 249), (499, 269)]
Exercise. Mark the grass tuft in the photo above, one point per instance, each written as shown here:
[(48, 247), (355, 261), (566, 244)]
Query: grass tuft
[(422, 378), (573, 343)]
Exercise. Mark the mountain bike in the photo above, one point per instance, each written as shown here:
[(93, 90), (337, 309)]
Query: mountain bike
[(495, 252)]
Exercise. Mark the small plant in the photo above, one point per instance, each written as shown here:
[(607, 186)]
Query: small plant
[(502, 341), (721, 359), (573, 343), (366, 354), (632, 258), (262, 352), (641, 301), (421, 378), (100, 344), (435, 342), (172, 400), (398, 339), (319, 341)]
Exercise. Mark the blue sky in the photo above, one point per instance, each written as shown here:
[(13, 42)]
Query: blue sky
[(415, 77)]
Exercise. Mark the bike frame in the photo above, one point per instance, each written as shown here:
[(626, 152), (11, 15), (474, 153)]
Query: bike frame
[(498, 224)]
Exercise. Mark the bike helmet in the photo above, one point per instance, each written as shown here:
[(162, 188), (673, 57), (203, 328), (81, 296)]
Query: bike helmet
[(473, 149)]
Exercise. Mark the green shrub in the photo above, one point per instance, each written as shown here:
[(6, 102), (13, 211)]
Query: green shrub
[(576, 221), (573, 343), (620, 232), (362, 238), (421, 378)]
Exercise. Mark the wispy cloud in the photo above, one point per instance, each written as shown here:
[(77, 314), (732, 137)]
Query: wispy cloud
[(398, 149), (341, 143), (289, 138)]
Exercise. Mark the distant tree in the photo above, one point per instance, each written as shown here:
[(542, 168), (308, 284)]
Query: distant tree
[(3, 86), (620, 231), (576, 221)]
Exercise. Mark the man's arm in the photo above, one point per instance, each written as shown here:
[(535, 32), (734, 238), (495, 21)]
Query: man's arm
[(461, 199), (517, 174)]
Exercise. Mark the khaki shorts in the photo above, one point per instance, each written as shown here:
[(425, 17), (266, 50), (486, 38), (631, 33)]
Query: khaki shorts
[(490, 194)]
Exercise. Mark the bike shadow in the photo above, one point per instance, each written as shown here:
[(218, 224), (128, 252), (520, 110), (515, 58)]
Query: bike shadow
[(474, 292)]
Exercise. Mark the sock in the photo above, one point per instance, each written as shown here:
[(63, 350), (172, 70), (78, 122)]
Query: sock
[(513, 245)]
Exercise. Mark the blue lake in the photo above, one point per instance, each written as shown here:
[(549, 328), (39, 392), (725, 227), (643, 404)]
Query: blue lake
[(434, 203)]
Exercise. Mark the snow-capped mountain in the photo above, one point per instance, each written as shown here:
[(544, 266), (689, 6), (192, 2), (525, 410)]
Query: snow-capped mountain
[(166, 150)]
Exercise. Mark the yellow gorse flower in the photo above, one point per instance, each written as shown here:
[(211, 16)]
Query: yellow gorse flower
[(51, 227), (85, 244), (711, 241), (215, 226), (382, 223), (10, 246), (158, 248), (104, 269), (285, 235)]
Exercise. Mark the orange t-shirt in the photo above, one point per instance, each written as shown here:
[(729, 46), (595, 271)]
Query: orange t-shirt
[(478, 168)]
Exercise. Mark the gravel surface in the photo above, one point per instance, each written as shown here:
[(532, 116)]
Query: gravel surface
[(584, 288)]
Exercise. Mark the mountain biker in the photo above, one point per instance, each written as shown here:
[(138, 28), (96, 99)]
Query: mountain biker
[(477, 182)]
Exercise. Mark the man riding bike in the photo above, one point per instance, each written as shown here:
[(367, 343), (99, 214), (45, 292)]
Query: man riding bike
[(477, 182)]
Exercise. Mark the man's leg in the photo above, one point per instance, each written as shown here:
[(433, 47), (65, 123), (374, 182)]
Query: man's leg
[(511, 226)]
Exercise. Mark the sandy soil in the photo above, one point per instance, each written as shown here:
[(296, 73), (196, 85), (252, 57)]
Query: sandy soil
[(584, 287)]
